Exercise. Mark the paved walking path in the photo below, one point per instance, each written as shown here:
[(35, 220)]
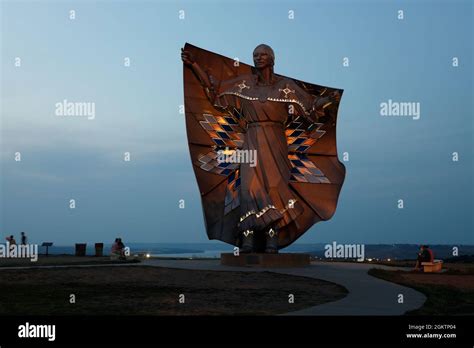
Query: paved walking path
[(367, 295)]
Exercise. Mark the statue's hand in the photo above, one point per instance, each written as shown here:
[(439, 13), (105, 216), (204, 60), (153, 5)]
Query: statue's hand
[(335, 96), (186, 57)]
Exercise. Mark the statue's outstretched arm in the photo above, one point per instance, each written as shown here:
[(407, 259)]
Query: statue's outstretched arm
[(207, 81)]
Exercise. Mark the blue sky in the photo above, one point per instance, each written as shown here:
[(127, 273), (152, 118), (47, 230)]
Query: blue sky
[(137, 111)]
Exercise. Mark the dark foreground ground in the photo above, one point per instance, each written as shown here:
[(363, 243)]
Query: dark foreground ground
[(64, 260), (142, 290), (448, 293)]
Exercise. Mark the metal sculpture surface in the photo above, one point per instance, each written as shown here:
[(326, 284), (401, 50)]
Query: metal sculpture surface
[(263, 148)]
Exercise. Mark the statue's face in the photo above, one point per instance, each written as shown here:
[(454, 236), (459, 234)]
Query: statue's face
[(261, 58)]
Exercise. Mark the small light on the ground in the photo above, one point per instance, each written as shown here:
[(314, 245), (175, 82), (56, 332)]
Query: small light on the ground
[(370, 260), (147, 256), (388, 260)]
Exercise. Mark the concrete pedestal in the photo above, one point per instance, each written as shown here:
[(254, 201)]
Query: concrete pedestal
[(266, 260)]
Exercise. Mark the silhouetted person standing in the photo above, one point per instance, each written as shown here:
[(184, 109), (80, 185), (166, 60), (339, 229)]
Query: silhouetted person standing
[(24, 239), (12, 242)]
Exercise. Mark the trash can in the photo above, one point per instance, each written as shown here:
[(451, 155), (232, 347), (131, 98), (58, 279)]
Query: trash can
[(81, 249), (99, 249)]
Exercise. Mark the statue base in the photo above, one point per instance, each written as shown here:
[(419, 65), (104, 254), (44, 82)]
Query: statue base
[(265, 260)]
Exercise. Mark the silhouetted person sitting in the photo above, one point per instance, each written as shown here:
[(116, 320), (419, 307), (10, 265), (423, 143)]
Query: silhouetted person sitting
[(425, 255), (118, 248)]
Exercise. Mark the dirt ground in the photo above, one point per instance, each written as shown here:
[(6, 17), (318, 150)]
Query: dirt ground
[(142, 290), (456, 275), (457, 281)]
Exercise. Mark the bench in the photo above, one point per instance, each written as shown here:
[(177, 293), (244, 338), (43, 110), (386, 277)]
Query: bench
[(435, 266)]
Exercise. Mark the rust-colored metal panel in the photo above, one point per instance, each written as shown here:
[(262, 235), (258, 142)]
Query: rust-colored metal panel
[(294, 178)]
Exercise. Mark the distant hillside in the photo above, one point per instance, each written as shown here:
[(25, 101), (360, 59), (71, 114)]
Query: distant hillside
[(403, 251)]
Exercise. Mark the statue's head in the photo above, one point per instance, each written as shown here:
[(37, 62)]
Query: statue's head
[(263, 56)]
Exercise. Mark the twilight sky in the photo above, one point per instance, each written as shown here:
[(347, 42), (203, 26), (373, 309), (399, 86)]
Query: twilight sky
[(137, 111)]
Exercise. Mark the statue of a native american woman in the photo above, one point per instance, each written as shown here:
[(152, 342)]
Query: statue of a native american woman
[(233, 108)]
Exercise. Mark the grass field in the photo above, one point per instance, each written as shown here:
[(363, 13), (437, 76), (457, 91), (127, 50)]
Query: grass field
[(448, 293)]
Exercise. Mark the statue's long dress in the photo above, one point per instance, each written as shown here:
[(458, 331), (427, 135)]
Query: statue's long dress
[(297, 177), (266, 199)]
